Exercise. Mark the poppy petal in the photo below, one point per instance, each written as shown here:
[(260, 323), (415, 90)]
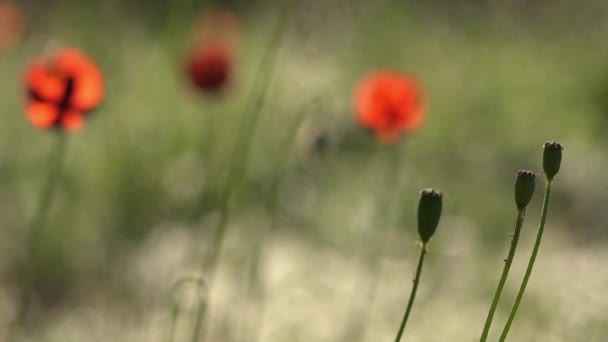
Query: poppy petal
[(12, 26), (387, 136), (389, 103), (218, 24), (41, 114), (88, 89), (43, 83), (72, 121), (210, 66)]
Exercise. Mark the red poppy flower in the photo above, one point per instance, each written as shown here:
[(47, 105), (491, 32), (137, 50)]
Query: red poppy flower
[(390, 104), (219, 23), (210, 66), (12, 26), (62, 89)]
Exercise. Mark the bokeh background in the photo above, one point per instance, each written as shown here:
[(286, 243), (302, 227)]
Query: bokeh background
[(333, 209)]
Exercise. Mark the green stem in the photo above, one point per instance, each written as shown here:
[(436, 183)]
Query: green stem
[(175, 311), (255, 288), (410, 303), (371, 254), (202, 306), (176, 307), (524, 283), (36, 227), (210, 266), (241, 156), (519, 221)]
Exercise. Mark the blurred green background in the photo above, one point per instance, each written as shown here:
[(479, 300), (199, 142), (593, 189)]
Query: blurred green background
[(138, 198)]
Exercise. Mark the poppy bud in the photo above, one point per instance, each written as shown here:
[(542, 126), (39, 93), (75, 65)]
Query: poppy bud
[(552, 158), (524, 187), (429, 212)]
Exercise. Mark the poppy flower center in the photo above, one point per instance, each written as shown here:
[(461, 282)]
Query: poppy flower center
[(393, 116), (65, 102)]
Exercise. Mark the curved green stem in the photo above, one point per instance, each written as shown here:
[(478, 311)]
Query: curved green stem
[(370, 254), (176, 308), (36, 227), (524, 283), (410, 303), (255, 289), (241, 156), (175, 312), (200, 314), (519, 221)]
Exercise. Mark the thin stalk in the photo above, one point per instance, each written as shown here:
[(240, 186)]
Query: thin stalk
[(524, 283), (202, 307), (175, 312), (370, 258), (176, 308), (36, 227), (519, 221), (241, 156), (255, 288), (410, 303)]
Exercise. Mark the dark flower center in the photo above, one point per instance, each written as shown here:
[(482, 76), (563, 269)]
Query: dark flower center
[(64, 104), (393, 118)]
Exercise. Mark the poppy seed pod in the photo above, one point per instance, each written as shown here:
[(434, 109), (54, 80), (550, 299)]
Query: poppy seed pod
[(552, 158), (524, 187), (429, 212)]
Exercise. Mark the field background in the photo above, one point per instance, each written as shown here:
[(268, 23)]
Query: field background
[(137, 202)]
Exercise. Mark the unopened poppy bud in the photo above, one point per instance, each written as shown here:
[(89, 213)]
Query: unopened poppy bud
[(524, 187), (429, 212), (552, 158)]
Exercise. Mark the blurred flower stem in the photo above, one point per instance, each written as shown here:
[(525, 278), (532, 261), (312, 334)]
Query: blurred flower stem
[(410, 302), (176, 306), (539, 236), (521, 211), (175, 312), (255, 287), (371, 254), (37, 225), (240, 156)]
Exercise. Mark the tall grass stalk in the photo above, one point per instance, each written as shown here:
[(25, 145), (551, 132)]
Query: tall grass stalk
[(389, 180), (176, 307), (255, 288), (37, 224), (240, 156)]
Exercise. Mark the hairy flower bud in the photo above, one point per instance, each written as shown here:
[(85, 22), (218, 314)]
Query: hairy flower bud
[(429, 212), (552, 158), (524, 187)]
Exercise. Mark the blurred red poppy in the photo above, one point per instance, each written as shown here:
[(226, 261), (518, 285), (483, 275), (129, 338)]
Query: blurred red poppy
[(62, 89), (218, 23), (210, 66), (12, 26), (390, 104), (211, 63)]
